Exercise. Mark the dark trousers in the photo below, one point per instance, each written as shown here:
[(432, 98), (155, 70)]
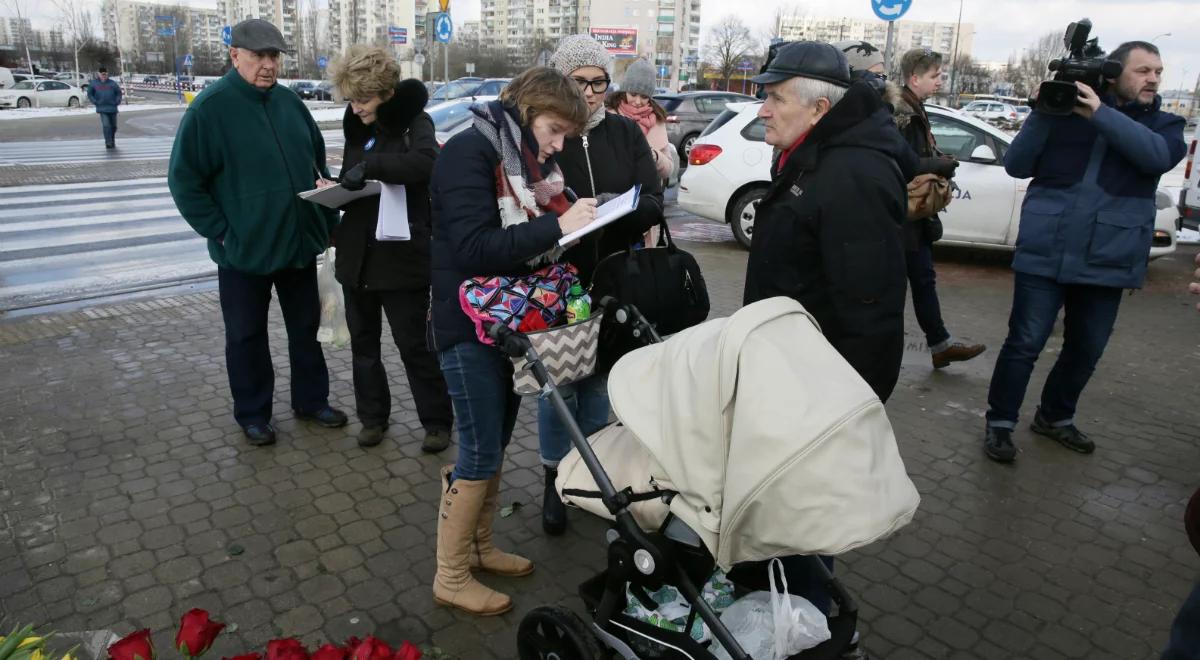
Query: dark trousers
[(108, 122), (922, 281), (1091, 312), (245, 300), (1184, 643), (406, 314)]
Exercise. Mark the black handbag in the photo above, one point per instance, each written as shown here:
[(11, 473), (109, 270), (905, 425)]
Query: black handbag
[(665, 285)]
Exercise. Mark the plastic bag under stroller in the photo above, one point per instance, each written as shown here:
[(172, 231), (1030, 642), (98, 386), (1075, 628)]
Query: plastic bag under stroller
[(333, 329), (774, 624)]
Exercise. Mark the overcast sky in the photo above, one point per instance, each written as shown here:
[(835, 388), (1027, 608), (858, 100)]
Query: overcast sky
[(1001, 26)]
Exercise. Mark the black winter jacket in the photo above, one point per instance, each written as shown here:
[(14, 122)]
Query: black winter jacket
[(403, 149), (619, 157), (468, 238), (827, 234), (914, 126)]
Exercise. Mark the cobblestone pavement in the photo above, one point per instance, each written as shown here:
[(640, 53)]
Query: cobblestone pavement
[(128, 495)]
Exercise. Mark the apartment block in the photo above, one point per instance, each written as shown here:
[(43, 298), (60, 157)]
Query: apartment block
[(367, 22), (135, 28), (940, 37), (11, 30)]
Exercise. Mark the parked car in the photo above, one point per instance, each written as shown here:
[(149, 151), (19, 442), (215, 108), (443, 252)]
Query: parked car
[(468, 88), (452, 117), (323, 91), (303, 88), (79, 80), (992, 111), (730, 169), (689, 112), (151, 80), (1189, 194), (41, 94), (6, 78)]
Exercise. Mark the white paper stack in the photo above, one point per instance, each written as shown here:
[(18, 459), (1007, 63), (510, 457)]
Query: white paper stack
[(393, 214)]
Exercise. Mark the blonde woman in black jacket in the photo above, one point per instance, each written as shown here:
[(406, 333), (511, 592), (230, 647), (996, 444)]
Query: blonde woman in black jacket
[(389, 138)]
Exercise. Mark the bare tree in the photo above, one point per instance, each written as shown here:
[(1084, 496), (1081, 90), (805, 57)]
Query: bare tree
[(77, 23), (1033, 66), (18, 7), (729, 41)]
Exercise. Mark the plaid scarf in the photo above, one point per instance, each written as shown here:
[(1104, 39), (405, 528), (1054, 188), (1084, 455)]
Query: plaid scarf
[(525, 188)]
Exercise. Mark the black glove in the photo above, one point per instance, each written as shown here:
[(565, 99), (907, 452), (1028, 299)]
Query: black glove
[(941, 166), (355, 178)]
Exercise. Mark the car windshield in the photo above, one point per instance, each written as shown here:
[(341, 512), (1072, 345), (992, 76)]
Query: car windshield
[(449, 115), (454, 90), (669, 103), (28, 84)]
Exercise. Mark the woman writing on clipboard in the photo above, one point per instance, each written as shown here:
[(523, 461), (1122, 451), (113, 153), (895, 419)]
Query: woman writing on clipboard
[(389, 138)]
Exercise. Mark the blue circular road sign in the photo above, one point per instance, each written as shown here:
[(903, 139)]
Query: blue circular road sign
[(443, 28), (227, 35), (322, 61), (890, 10)]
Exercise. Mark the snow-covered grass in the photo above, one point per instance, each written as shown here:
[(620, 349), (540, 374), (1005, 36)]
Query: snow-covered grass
[(13, 114), (325, 114)]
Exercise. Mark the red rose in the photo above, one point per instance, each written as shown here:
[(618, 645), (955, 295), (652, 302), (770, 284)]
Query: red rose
[(134, 646), (371, 648), (407, 652), (196, 633), (330, 652), (286, 649)]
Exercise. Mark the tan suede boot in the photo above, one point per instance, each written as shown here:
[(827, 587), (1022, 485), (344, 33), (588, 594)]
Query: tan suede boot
[(486, 556), (458, 515)]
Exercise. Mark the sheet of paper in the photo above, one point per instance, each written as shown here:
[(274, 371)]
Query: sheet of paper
[(393, 214), (336, 196), (607, 213)]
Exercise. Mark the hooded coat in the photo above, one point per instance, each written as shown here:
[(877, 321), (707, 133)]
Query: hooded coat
[(827, 234), (399, 147)]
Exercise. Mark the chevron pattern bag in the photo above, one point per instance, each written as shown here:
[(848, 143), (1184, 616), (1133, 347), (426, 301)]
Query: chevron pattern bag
[(568, 351)]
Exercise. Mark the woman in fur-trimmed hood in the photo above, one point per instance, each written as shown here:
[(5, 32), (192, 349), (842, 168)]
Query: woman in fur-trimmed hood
[(389, 138)]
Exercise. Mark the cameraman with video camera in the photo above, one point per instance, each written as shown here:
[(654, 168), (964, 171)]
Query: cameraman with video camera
[(1095, 152)]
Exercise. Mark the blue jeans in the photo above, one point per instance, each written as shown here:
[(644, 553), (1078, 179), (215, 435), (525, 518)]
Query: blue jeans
[(108, 122), (1091, 312), (479, 379), (922, 280), (588, 402), (1184, 643)]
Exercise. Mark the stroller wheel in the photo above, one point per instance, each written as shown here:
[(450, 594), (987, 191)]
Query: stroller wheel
[(555, 633)]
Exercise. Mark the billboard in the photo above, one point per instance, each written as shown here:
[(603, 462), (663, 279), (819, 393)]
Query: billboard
[(620, 41)]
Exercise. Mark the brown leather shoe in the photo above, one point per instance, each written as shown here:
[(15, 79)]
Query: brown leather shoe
[(957, 352)]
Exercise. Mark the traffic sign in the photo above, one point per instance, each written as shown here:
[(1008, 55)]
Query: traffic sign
[(322, 61), (890, 10), (470, 68), (166, 32), (443, 28), (745, 65), (663, 71), (397, 35), (227, 35), (692, 59), (187, 60), (161, 18), (445, 5), (419, 59)]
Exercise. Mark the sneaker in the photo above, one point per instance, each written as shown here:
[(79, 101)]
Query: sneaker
[(436, 440), (371, 436), (259, 435), (1067, 436), (998, 445), (330, 418), (956, 352)]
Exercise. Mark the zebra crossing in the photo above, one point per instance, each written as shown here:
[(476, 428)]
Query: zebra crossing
[(60, 152), (61, 243)]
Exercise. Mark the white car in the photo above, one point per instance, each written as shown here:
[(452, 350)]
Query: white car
[(453, 117), (995, 112), (41, 94), (730, 169)]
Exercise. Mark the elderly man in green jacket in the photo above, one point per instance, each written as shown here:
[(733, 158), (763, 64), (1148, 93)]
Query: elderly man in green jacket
[(245, 148)]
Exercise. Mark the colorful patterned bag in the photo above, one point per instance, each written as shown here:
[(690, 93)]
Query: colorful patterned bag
[(508, 299)]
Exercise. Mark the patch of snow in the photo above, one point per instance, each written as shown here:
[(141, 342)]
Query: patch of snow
[(1187, 236), (13, 114), (320, 115)]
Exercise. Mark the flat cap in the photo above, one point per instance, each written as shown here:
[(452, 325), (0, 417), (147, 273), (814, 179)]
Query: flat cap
[(257, 34), (807, 59)]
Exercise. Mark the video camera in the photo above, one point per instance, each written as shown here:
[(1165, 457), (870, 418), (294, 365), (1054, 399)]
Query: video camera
[(1085, 63)]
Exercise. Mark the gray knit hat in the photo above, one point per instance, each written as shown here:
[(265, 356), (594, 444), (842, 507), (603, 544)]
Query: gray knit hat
[(639, 78), (577, 51), (860, 55)]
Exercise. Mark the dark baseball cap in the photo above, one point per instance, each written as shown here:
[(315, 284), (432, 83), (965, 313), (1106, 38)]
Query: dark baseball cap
[(258, 35), (807, 59)]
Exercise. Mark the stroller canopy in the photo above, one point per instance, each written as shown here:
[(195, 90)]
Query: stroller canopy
[(774, 443)]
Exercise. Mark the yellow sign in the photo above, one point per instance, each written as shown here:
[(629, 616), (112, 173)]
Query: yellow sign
[(445, 5)]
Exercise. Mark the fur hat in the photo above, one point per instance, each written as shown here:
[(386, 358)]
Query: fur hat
[(860, 54), (577, 51), (639, 78)]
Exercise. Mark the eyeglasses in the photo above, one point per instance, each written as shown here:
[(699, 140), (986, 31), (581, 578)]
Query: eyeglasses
[(599, 85)]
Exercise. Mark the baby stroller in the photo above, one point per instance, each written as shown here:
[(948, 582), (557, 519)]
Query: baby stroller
[(695, 487)]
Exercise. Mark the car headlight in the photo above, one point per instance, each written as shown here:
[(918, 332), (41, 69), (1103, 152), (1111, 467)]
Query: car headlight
[(1162, 200)]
